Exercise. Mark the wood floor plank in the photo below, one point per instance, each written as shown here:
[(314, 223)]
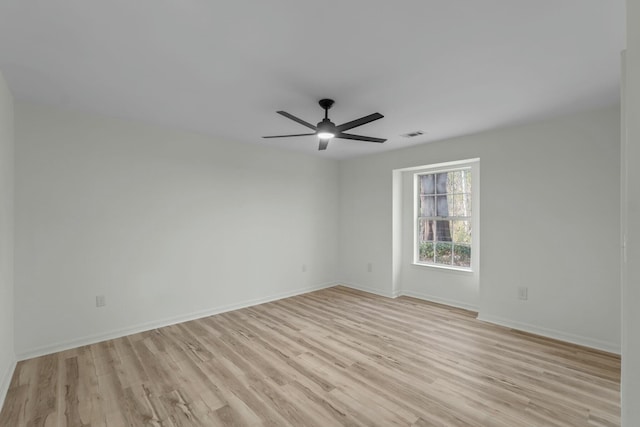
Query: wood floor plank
[(335, 357)]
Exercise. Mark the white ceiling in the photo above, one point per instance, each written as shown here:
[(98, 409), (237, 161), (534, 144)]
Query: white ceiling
[(446, 67)]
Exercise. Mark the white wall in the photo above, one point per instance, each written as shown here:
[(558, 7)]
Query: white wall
[(549, 220), (166, 225), (631, 286), (7, 355)]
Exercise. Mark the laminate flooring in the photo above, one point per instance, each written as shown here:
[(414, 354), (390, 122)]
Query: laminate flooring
[(334, 357)]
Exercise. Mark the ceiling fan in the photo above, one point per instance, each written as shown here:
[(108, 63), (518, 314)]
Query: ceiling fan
[(326, 129)]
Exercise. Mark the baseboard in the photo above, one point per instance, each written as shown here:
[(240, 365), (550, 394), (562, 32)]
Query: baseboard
[(609, 347), (369, 290), (92, 339), (445, 301), (5, 381), (147, 326)]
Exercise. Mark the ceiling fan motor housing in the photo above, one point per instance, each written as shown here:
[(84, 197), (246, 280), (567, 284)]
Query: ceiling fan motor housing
[(326, 125)]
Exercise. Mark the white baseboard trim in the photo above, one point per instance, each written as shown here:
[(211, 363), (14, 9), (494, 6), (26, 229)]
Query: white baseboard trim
[(5, 381), (369, 290), (147, 326), (426, 297), (609, 347), (445, 301), (92, 339)]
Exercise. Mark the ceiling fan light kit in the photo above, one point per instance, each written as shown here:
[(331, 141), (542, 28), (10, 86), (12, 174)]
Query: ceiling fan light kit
[(326, 130)]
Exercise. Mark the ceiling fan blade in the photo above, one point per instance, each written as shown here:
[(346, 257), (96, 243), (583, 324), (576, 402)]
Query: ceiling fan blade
[(359, 122), (295, 119), (286, 136), (359, 137), (323, 144)]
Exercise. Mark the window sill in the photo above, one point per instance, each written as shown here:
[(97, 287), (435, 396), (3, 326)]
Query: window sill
[(444, 267)]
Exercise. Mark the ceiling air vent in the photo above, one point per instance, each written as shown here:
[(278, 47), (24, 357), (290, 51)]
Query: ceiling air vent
[(412, 134)]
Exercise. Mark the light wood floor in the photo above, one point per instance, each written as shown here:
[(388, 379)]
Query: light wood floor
[(332, 357)]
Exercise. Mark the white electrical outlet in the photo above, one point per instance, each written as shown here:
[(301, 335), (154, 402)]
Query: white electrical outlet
[(100, 301), (523, 293), (369, 267)]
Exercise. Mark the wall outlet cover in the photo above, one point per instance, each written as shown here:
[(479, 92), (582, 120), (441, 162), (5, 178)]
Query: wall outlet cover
[(523, 293)]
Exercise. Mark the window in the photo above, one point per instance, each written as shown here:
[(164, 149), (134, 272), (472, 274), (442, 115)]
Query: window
[(443, 235)]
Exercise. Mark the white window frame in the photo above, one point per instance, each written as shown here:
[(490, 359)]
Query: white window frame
[(474, 166)]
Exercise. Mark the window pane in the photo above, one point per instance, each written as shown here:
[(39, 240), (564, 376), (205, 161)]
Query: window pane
[(427, 206), (466, 200), (455, 182), (426, 252), (442, 205), (443, 231), (454, 203), (426, 230), (443, 253), (441, 182), (427, 185), (461, 231), (462, 255), (451, 182), (460, 205)]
